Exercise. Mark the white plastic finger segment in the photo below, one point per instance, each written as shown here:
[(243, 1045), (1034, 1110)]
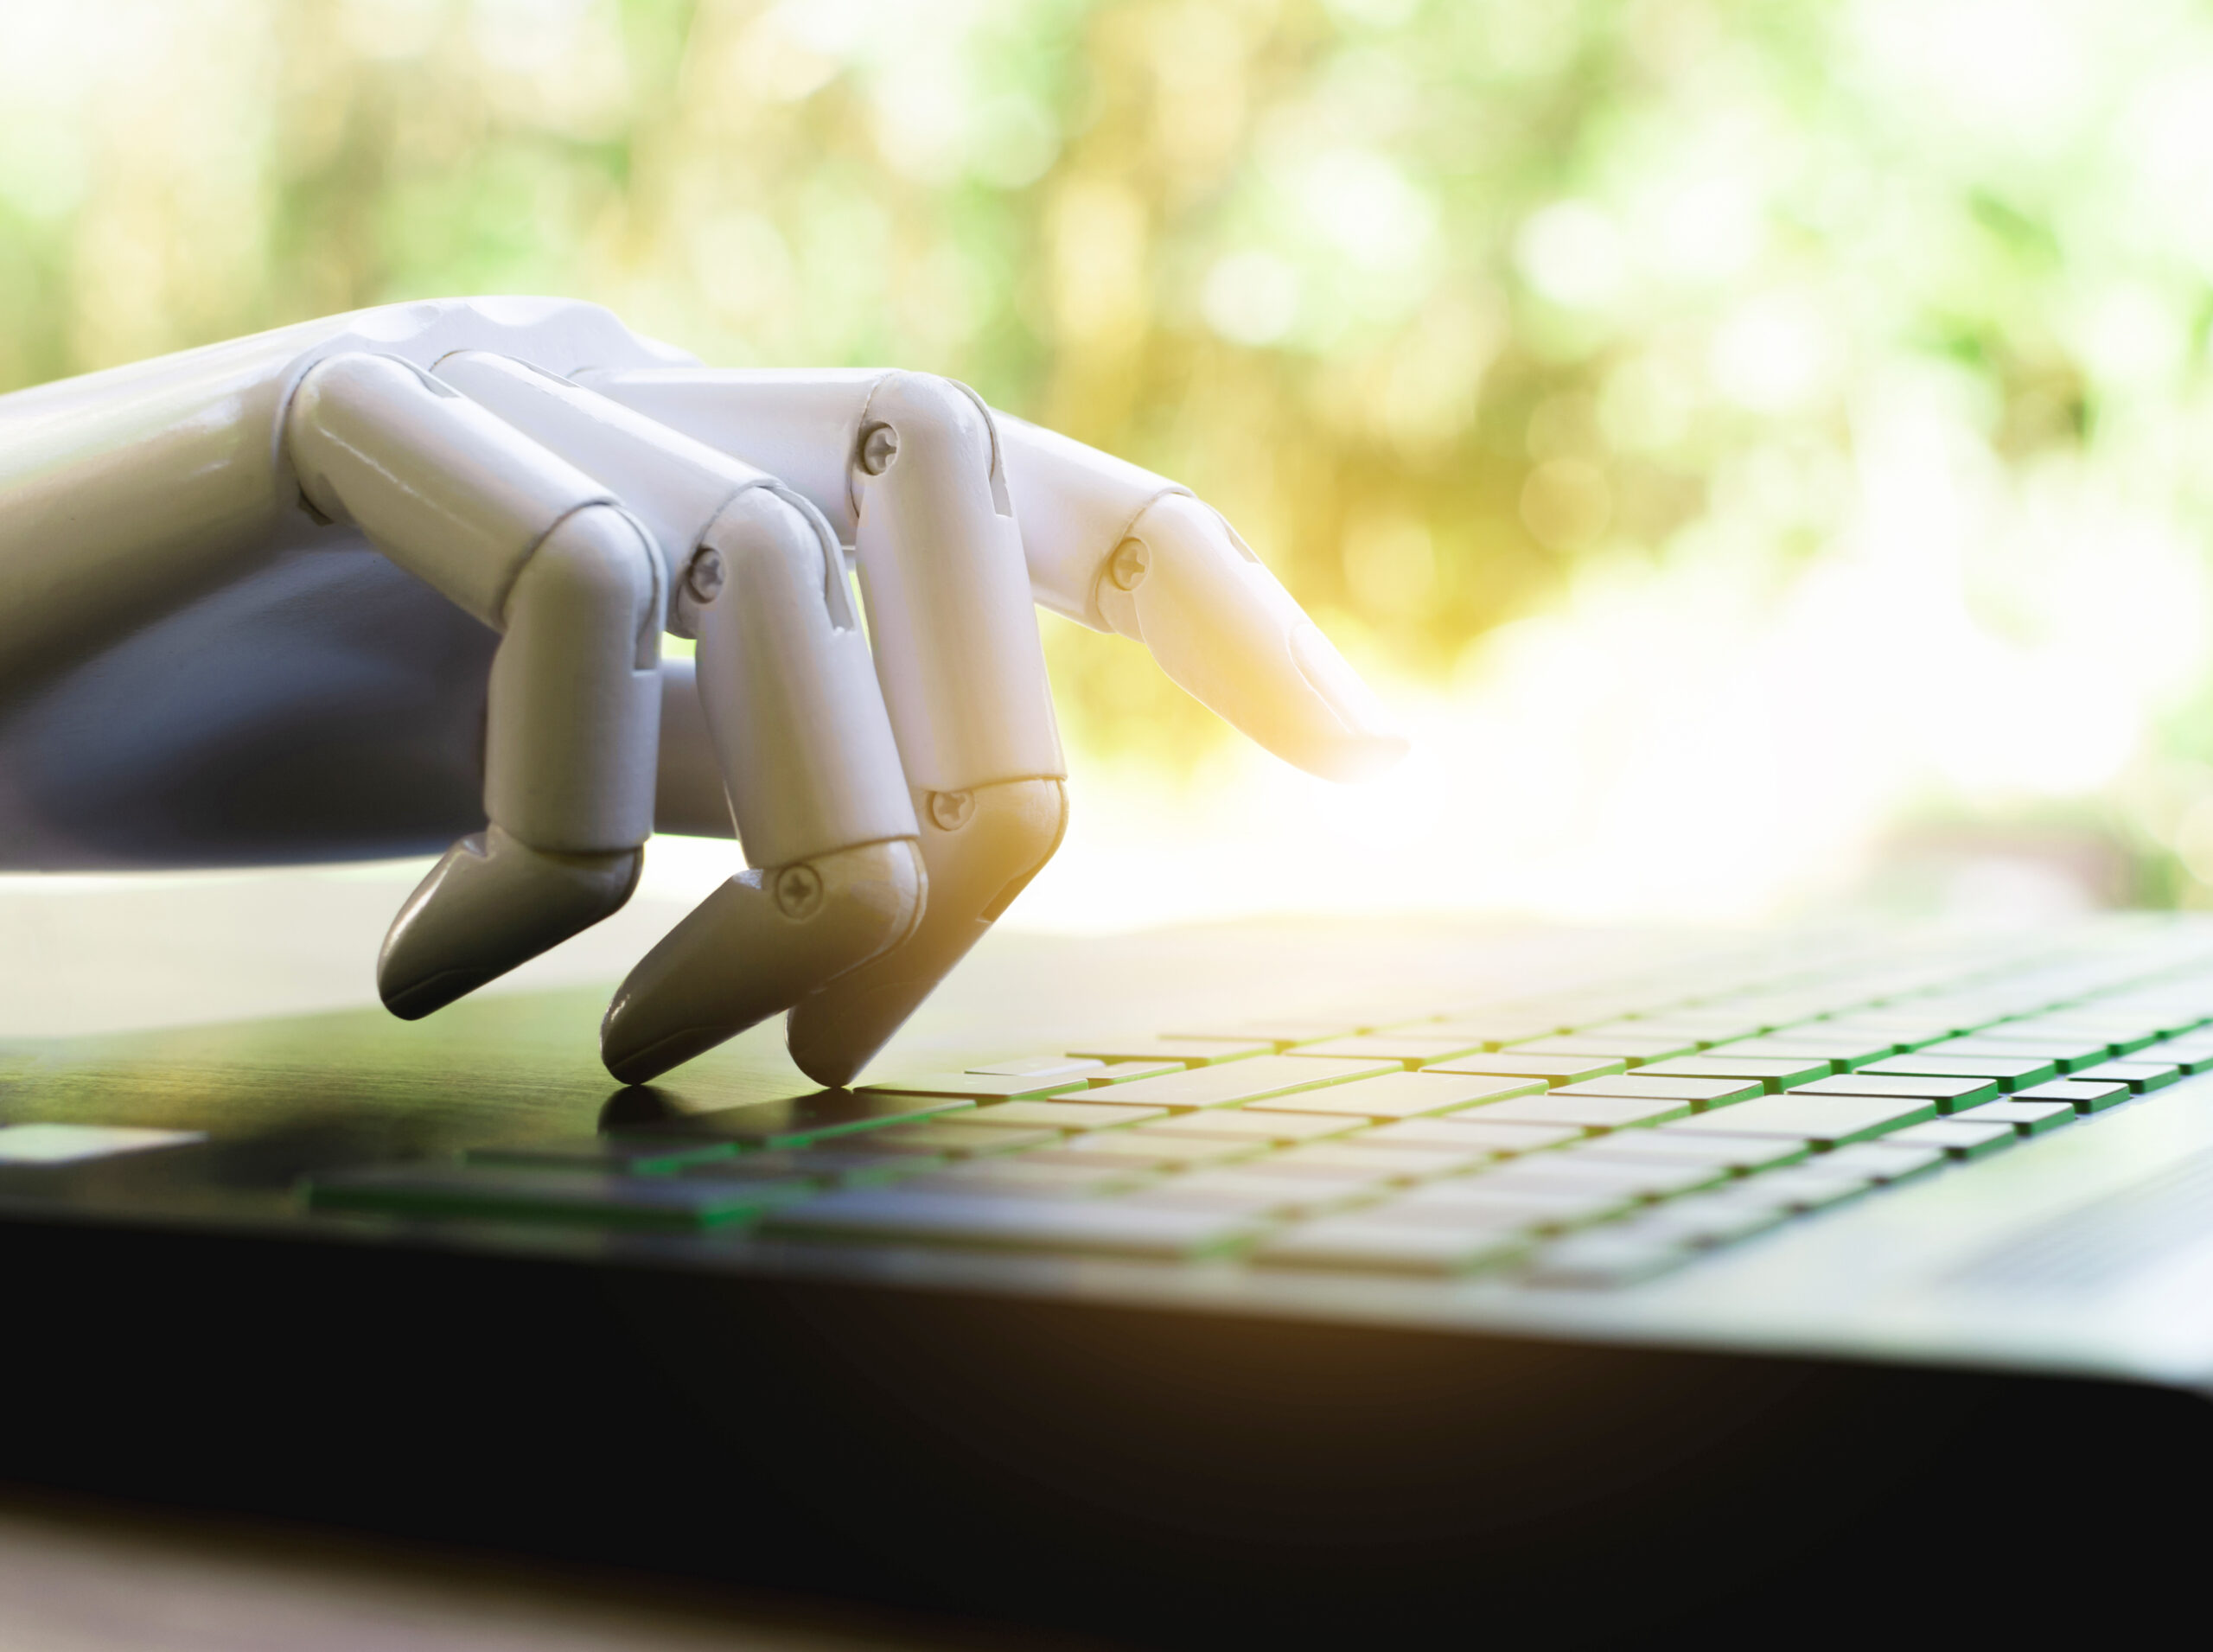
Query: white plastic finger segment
[(443, 487), (756, 945), (788, 687), (799, 425), (1222, 627), (572, 737), (980, 849), (689, 796), (673, 483), (941, 566), (1076, 504), (489, 903), (573, 720)]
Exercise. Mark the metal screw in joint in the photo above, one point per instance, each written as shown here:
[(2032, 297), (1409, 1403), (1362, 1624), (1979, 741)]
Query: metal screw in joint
[(952, 810), (798, 891), (1133, 561), (879, 447), (704, 579)]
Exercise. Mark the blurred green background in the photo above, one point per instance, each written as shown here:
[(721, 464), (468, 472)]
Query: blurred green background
[(1759, 446)]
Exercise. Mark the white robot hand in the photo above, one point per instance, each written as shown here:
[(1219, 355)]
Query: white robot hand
[(399, 578)]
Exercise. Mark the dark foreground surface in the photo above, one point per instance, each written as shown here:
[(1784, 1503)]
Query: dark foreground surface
[(985, 1467), (1139, 1477)]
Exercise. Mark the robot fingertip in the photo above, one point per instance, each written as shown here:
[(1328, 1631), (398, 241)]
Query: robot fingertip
[(412, 1001)]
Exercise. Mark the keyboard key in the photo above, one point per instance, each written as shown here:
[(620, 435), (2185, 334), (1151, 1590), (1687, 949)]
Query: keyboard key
[(516, 1194), (1258, 1188), (1456, 1131), (1123, 1072), (855, 1166), (2192, 1054), (1192, 1052), (1255, 1124), (1957, 1137), (1153, 1150), (1842, 1051), (1254, 1079), (2066, 1055), (1767, 1012), (1741, 1154), (1723, 1023), (1459, 1151), (2027, 1117), (1041, 1067), (1779, 1073), (2119, 1034), (1474, 1200), (1113, 1226), (1703, 1031), (2160, 1021), (1023, 1175), (1945, 1095), (799, 1122), (1812, 1186), (28, 1142), (1407, 1095), (978, 1086), (1700, 1092), (1070, 1116), (1283, 1035), (1492, 1031), (1956, 1019), (2081, 1096), (1572, 1172), (1702, 1220), (1584, 1112), (1901, 1032), (1887, 1161), (1823, 1120), (2007, 1072), (1917, 1025), (2139, 1077), (1408, 1049), (1603, 1260), (1392, 1163), (954, 1142), (605, 1155), (1355, 1243), (1612, 1046), (1553, 1070)]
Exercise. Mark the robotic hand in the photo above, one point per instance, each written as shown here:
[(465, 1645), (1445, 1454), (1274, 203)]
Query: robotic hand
[(370, 584)]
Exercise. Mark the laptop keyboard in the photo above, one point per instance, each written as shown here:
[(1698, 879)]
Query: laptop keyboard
[(1590, 1138)]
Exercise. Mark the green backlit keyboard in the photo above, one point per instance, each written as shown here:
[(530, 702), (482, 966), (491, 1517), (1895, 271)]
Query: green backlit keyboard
[(1587, 1139)]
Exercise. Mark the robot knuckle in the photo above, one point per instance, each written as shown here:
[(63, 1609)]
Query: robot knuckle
[(337, 374), (930, 417), (595, 556), (774, 554), (760, 531)]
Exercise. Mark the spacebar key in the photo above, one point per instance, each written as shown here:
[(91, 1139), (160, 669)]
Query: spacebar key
[(895, 1215)]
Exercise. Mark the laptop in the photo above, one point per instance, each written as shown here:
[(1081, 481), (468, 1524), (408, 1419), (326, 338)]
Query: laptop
[(1280, 1281)]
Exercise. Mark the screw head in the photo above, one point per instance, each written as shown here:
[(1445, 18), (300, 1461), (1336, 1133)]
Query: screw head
[(1133, 561), (798, 891), (879, 447), (952, 810), (704, 579)]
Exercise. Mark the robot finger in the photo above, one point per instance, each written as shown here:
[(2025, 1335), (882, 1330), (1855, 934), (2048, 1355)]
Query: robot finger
[(542, 554), (963, 673), (909, 467), (792, 707), (786, 697), (1118, 548), (1108, 544)]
